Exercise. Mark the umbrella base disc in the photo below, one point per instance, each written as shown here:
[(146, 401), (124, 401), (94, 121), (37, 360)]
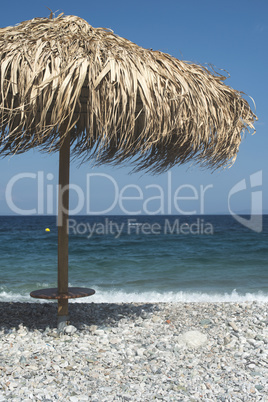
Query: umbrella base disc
[(52, 293)]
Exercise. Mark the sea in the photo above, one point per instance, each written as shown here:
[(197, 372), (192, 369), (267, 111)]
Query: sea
[(138, 258)]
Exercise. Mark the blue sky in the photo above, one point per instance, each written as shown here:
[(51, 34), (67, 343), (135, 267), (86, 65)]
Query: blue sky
[(231, 35)]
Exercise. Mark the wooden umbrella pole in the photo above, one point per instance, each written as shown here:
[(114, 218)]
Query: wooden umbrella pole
[(63, 293), (63, 215)]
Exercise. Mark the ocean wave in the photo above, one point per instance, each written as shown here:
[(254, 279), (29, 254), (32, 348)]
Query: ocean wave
[(104, 296)]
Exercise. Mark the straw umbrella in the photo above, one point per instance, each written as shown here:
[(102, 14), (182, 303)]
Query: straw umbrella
[(66, 86)]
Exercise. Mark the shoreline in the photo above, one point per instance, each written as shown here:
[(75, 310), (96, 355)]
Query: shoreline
[(149, 296), (135, 352)]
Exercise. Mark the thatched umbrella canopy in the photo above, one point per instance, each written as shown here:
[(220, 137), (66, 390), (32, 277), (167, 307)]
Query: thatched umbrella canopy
[(65, 84)]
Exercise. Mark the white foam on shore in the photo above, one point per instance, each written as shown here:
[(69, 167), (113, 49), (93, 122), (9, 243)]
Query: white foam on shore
[(116, 296), (181, 296)]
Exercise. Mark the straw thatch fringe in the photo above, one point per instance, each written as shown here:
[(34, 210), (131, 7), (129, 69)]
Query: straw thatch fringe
[(117, 99)]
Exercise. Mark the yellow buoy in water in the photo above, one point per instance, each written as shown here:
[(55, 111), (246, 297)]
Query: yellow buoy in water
[(47, 230)]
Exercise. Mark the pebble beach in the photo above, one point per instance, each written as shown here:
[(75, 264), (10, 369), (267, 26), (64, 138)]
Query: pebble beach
[(135, 352)]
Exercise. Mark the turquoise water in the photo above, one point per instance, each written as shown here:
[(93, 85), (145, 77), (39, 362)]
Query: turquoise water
[(142, 258)]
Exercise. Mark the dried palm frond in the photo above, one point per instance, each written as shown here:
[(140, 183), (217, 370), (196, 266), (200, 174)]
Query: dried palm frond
[(118, 100)]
